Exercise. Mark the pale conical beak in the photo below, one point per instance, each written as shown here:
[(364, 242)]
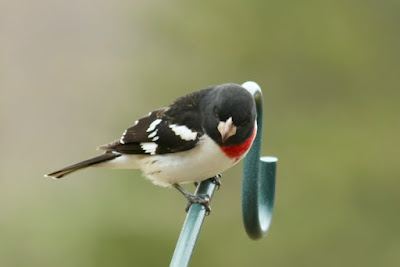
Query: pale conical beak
[(226, 129)]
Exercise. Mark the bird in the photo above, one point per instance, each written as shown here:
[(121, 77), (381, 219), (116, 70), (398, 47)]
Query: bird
[(197, 137)]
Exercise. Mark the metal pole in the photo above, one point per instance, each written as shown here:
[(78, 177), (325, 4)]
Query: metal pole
[(191, 227)]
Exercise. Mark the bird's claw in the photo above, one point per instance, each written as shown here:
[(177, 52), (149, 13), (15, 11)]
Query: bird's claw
[(217, 180), (203, 199)]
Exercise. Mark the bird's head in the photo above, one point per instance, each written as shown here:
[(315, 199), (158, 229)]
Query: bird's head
[(229, 114)]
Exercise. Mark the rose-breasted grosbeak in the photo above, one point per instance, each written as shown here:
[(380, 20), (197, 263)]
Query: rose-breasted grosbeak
[(197, 137)]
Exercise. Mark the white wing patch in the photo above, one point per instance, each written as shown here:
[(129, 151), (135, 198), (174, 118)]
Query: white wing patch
[(184, 132), (149, 147), (152, 134), (122, 137), (153, 125)]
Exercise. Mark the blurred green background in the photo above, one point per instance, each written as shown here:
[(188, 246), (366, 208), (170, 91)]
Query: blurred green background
[(75, 74)]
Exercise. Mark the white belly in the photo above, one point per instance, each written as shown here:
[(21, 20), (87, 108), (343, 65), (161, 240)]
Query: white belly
[(195, 165), (198, 164)]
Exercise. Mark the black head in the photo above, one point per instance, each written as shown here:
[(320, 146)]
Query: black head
[(229, 114)]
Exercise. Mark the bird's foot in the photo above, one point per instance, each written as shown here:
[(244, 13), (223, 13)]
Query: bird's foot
[(203, 199), (217, 180)]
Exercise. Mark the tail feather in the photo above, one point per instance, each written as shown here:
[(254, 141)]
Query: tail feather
[(83, 164)]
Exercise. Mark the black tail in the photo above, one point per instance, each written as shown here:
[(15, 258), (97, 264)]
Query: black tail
[(86, 163)]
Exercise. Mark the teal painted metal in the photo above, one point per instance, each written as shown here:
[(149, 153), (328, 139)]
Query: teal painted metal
[(192, 226), (258, 184), (257, 194)]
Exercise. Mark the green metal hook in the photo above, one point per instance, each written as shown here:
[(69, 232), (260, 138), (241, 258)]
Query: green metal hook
[(258, 183)]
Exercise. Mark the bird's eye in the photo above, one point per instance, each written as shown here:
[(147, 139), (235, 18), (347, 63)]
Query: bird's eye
[(216, 112)]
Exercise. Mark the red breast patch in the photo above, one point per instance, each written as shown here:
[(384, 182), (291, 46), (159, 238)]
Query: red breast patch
[(237, 151)]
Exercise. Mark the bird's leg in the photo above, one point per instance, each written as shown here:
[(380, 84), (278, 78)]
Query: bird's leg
[(217, 180), (203, 199)]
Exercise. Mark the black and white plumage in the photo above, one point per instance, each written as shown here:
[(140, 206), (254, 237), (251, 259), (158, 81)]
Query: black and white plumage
[(198, 136)]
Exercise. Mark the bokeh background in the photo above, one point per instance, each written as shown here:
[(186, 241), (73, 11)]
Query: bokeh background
[(74, 74)]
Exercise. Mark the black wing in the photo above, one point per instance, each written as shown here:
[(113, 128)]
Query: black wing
[(167, 130)]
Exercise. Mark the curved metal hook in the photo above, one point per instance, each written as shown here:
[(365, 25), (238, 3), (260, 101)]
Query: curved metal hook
[(258, 183)]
